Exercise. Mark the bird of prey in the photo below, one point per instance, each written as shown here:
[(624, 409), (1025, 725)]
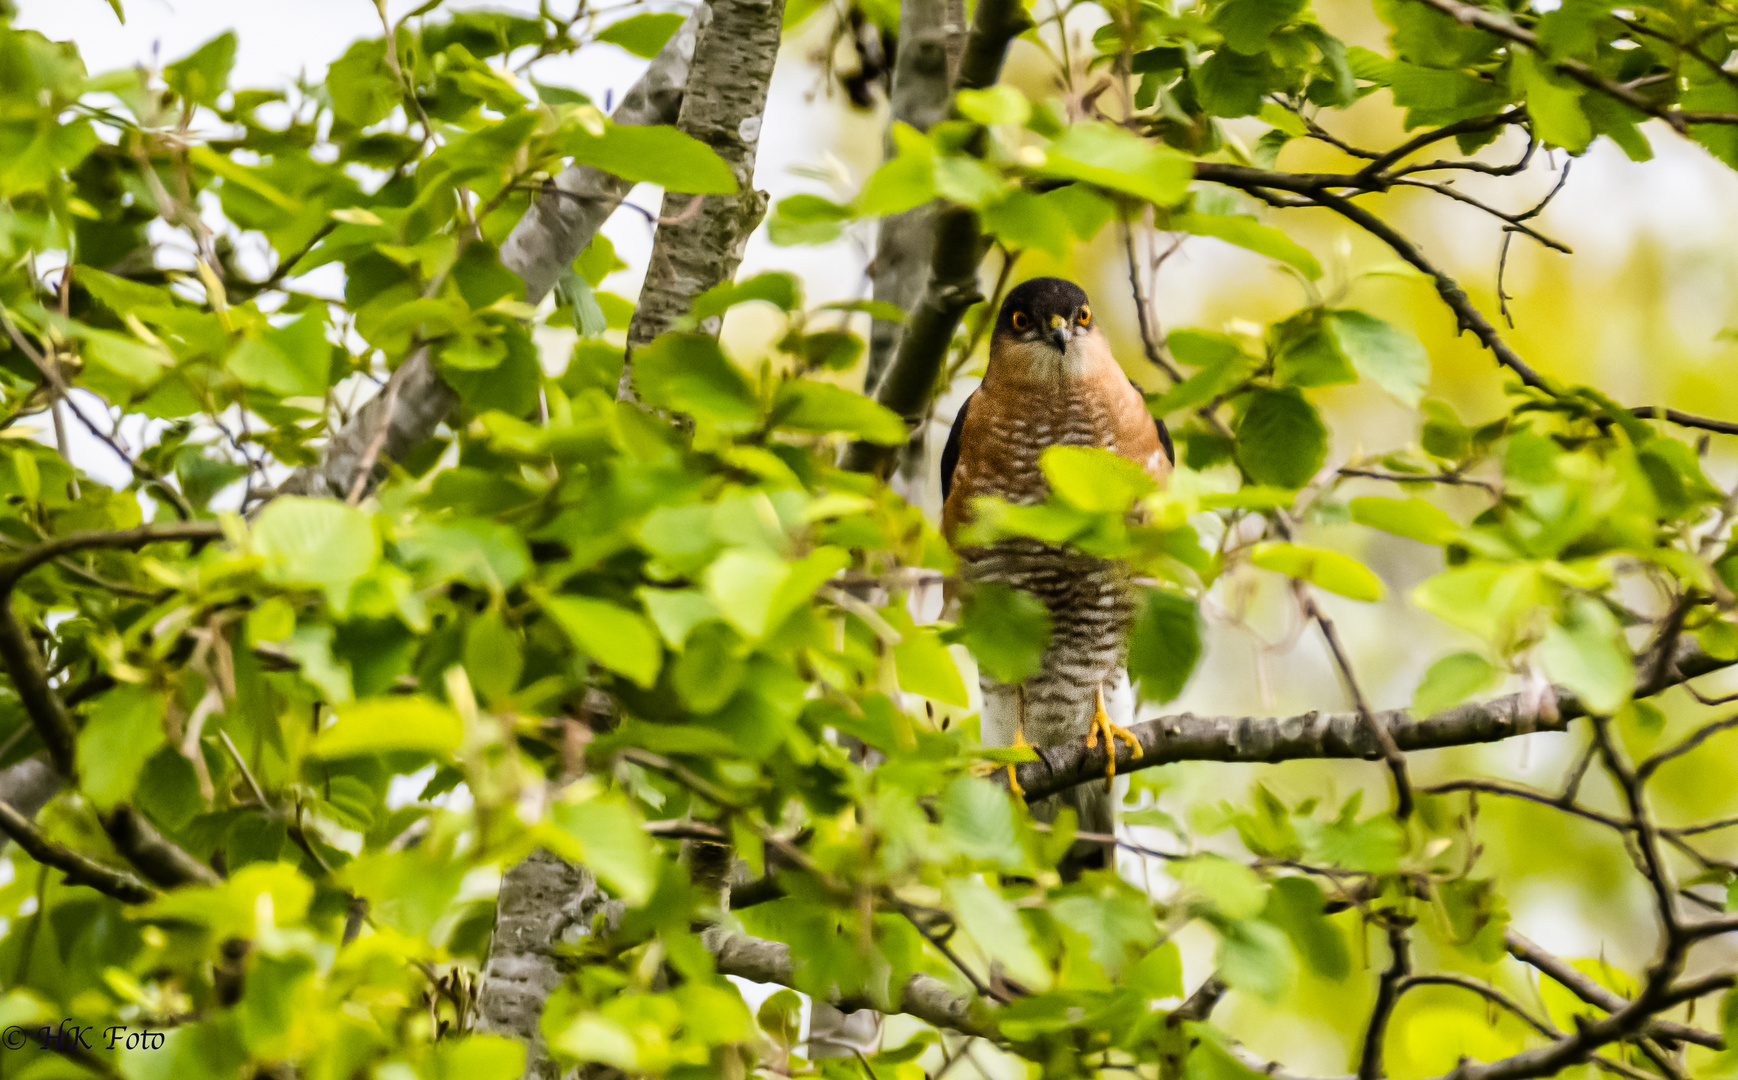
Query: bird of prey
[(1052, 381)]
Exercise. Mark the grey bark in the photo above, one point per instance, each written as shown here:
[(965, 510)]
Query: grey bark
[(574, 206), (931, 37), (1318, 735), (951, 285), (560, 223), (545, 902), (699, 246), (923, 996), (729, 68), (26, 786)]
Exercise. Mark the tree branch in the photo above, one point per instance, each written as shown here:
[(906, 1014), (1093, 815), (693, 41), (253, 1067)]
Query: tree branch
[(560, 223), (1525, 950), (931, 37), (723, 107), (952, 285), (1188, 737), (1493, 23), (923, 996), (79, 870)]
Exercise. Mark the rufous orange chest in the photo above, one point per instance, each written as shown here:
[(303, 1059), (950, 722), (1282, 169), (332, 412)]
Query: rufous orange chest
[(1010, 422)]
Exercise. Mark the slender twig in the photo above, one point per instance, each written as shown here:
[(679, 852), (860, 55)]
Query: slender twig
[(1690, 742), (1391, 754), (1388, 989), (1453, 478)]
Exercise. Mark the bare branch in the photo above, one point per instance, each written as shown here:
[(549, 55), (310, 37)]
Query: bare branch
[(923, 996), (930, 39), (1529, 953), (1188, 737), (1387, 995)]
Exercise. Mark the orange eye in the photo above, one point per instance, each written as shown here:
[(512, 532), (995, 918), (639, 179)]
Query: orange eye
[(1021, 322), (1086, 316)]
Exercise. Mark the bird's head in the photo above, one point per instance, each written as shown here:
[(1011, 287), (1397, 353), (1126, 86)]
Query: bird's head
[(1046, 327)]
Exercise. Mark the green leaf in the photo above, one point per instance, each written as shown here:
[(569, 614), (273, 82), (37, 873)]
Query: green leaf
[(1023, 219), (926, 667), (134, 362), (1486, 599), (293, 360), (1118, 160), (1247, 24), (475, 551), (1246, 232), (978, 818), (1553, 104), (1388, 356), (806, 405), (1006, 630), (1280, 439), (1309, 354), (1158, 974), (1295, 905), (361, 85), (1256, 957), (743, 583), (1001, 104), (204, 73), (1585, 652), (1452, 680), (689, 374), (993, 925), (1163, 645), (379, 725), (642, 35), (778, 289), (618, 639), (1330, 570), (1093, 479), (1118, 925), (1413, 518), (658, 154), (317, 542), (124, 727), (614, 843), (1234, 890), (906, 180), (478, 1057)]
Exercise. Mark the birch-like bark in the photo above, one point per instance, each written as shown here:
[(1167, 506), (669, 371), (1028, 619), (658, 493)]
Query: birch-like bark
[(697, 247), (545, 902), (560, 223), (700, 244)]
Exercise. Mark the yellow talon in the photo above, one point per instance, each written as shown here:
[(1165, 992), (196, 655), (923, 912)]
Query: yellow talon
[(1013, 781), (1113, 731), (1019, 737)]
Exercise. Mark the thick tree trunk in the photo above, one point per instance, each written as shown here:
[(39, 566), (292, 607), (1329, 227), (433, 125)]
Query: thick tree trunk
[(697, 247)]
